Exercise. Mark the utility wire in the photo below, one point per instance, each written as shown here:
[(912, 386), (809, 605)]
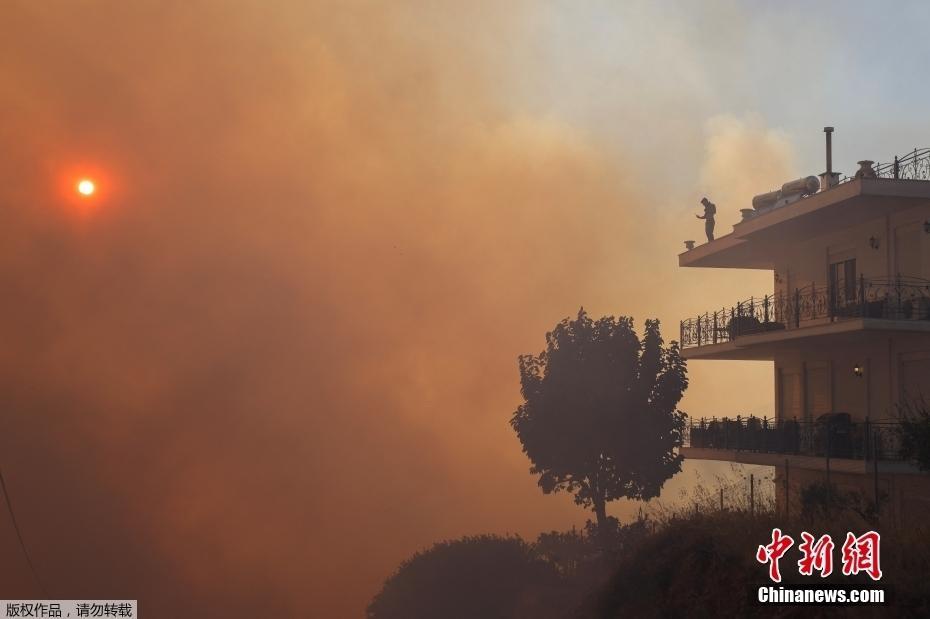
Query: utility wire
[(19, 534)]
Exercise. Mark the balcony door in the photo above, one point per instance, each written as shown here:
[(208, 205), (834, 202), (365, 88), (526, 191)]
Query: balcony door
[(818, 390), (907, 250), (790, 403), (914, 376), (842, 283)]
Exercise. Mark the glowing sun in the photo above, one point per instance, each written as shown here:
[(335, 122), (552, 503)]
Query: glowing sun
[(86, 187)]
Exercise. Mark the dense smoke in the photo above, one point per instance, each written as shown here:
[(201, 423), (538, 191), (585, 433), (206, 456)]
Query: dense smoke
[(277, 353)]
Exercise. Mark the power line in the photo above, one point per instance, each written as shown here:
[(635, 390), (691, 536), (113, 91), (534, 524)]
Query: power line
[(19, 535)]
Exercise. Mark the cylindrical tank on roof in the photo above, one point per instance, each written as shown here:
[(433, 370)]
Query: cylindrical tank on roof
[(765, 200), (806, 185)]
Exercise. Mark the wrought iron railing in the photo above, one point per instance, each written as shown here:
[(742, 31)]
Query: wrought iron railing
[(903, 298), (912, 166), (833, 435)]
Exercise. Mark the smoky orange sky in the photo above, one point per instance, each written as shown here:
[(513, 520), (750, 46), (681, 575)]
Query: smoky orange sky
[(276, 355)]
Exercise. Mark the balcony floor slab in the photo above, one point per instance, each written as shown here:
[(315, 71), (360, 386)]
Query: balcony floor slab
[(839, 465), (763, 346)]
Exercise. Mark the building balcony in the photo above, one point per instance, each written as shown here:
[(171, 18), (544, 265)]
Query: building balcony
[(833, 441), (900, 303)]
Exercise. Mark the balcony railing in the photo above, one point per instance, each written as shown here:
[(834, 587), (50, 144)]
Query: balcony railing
[(833, 435), (912, 166), (904, 298)]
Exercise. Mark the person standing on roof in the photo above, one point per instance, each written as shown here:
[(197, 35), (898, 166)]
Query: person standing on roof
[(710, 209)]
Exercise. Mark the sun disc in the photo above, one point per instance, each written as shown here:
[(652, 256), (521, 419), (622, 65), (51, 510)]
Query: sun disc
[(86, 187)]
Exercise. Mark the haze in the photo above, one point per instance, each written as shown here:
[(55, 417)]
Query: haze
[(279, 355)]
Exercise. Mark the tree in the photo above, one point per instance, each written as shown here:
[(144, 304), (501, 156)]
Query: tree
[(914, 431), (579, 555), (486, 576), (599, 417)]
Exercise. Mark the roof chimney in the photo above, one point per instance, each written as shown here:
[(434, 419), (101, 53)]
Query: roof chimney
[(829, 178)]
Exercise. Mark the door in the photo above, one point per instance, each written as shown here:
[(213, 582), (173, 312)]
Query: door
[(790, 392), (915, 377), (842, 284), (818, 390), (907, 251)]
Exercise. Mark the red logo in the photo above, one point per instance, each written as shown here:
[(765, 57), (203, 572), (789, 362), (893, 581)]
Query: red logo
[(773, 552), (817, 556), (860, 554)]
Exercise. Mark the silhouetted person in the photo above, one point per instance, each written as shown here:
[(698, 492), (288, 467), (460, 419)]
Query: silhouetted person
[(709, 211)]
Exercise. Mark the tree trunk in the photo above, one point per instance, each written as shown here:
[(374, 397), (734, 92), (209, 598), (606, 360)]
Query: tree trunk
[(600, 510)]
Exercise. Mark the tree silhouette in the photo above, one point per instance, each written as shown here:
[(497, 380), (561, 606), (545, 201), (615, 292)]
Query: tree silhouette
[(599, 417), (914, 431), (486, 576)]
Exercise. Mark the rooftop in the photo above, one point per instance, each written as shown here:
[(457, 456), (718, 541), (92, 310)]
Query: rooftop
[(874, 191)]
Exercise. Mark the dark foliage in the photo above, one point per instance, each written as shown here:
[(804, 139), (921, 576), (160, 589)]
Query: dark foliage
[(576, 553), (703, 565), (600, 416), (915, 432), (486, 576), (822, 500), (568, 551)]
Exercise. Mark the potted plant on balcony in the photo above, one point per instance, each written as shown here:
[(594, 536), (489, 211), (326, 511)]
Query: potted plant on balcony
[(790, 436), (698, 434), (753, 439), (743, 325), (713, 437), (833, 435), (732, 433)]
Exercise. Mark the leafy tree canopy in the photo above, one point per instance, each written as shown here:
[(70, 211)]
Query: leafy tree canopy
[(599, 417)]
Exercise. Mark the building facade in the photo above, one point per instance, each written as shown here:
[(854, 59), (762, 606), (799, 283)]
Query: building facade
[(847, 327)]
